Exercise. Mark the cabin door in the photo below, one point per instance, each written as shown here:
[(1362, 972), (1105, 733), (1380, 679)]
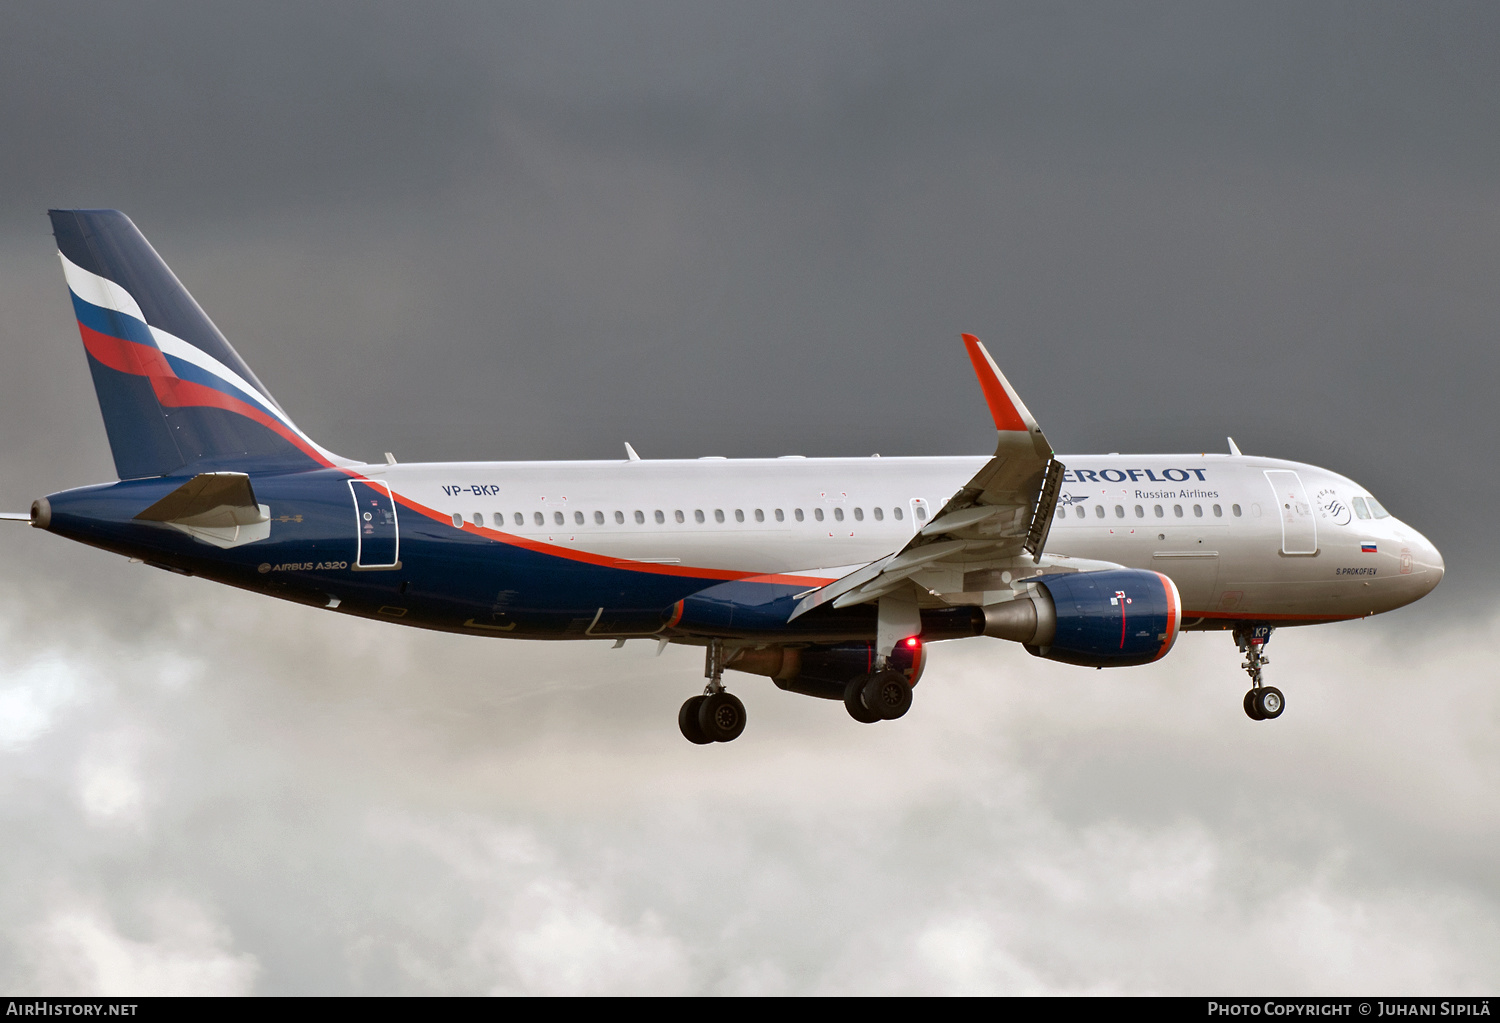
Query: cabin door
[(1299, 527), (375, 525)]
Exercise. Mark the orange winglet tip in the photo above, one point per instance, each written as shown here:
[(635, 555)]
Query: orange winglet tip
[(1002, 408)]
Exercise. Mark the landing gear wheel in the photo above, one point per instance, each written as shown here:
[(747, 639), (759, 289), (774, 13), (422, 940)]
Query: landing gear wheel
[(687, 721), (888, 695), (854, 701), (721, 716), (1250, 711), (1269, 703)]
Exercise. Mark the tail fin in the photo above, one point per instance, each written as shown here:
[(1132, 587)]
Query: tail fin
[(175, 396)]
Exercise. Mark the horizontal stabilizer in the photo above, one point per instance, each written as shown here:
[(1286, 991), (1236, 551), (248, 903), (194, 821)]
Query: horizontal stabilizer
[(209, 500)]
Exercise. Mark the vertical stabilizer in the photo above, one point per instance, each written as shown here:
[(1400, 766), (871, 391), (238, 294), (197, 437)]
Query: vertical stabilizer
[(175, 396)]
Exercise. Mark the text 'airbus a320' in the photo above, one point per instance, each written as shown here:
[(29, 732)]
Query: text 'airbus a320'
[(828, 575)]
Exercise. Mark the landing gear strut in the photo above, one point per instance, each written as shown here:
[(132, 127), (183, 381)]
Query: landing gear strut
[(716, 716), (1262, 702)]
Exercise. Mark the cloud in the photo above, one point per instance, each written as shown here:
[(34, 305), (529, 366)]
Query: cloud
[(358, 808), (81, 952)]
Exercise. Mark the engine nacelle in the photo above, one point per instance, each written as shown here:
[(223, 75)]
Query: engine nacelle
[(1106, 619), (824, 670)]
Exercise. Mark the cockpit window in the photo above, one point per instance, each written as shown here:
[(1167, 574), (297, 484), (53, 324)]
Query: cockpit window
[(1380, 513), (1360, 508)]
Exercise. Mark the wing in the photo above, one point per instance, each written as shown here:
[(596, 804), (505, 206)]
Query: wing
[(1001, 514)]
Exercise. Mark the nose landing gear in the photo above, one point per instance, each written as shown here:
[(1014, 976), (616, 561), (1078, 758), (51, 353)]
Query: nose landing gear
[(1262, 702), (717, 715)]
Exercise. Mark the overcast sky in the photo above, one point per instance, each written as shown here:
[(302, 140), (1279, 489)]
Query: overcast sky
[(459, 231)]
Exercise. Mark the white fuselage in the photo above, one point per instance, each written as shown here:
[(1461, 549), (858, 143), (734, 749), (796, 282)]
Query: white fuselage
[(1242, 537)]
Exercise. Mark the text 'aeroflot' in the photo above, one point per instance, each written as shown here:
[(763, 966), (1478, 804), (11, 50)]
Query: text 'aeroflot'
[(829, 575)]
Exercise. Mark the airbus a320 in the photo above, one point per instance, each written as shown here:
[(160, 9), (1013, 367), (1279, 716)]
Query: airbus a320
[(830, 576)]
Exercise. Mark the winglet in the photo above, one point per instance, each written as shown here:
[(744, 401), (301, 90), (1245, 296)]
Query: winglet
[(630, 454), (1234, 449), (1006, 408)]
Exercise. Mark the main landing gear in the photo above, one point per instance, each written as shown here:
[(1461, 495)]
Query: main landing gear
[(1262, 702), (717, 715), (883, 696)]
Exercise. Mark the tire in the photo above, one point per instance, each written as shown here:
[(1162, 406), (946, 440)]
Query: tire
[(888, 695), (1269, 703), (687, 721), (721, 717), (854, 701), (1250, 711)]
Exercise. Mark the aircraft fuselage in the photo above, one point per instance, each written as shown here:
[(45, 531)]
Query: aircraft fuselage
[(608, 548)]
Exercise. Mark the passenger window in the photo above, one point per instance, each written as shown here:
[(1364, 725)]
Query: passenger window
[(520, 519), (739, 515), (1062, 513), (1218, 511), (698, 515), (879, 514), (619, 518), (640, 517), (897, 512), (557, 517), (780, 515), (838, 514), (598, 518), (478, 518), (1159, 512), (718, 514), (578, 518), (1098, 511), (1236, 509), (1119, 511), (1197, 511), (1375, 507), (797, 514), (859, 515), (660, 516), (679, 516), (458, 520), (1140, 512), (1360, 508), (818, 514), (538, 519), (760, 516), (921, 513), (1177, 510), (1078, 508)]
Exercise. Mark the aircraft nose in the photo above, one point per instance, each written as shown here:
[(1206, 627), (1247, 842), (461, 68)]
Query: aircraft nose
[(1429, 563)]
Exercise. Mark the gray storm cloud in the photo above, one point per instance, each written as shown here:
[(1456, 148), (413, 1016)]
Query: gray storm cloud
[(534, 231)]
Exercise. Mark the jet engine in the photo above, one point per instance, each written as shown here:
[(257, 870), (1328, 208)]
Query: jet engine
[(1113, 618)]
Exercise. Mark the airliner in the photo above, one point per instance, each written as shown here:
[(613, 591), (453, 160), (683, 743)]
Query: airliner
[(830, 576)]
